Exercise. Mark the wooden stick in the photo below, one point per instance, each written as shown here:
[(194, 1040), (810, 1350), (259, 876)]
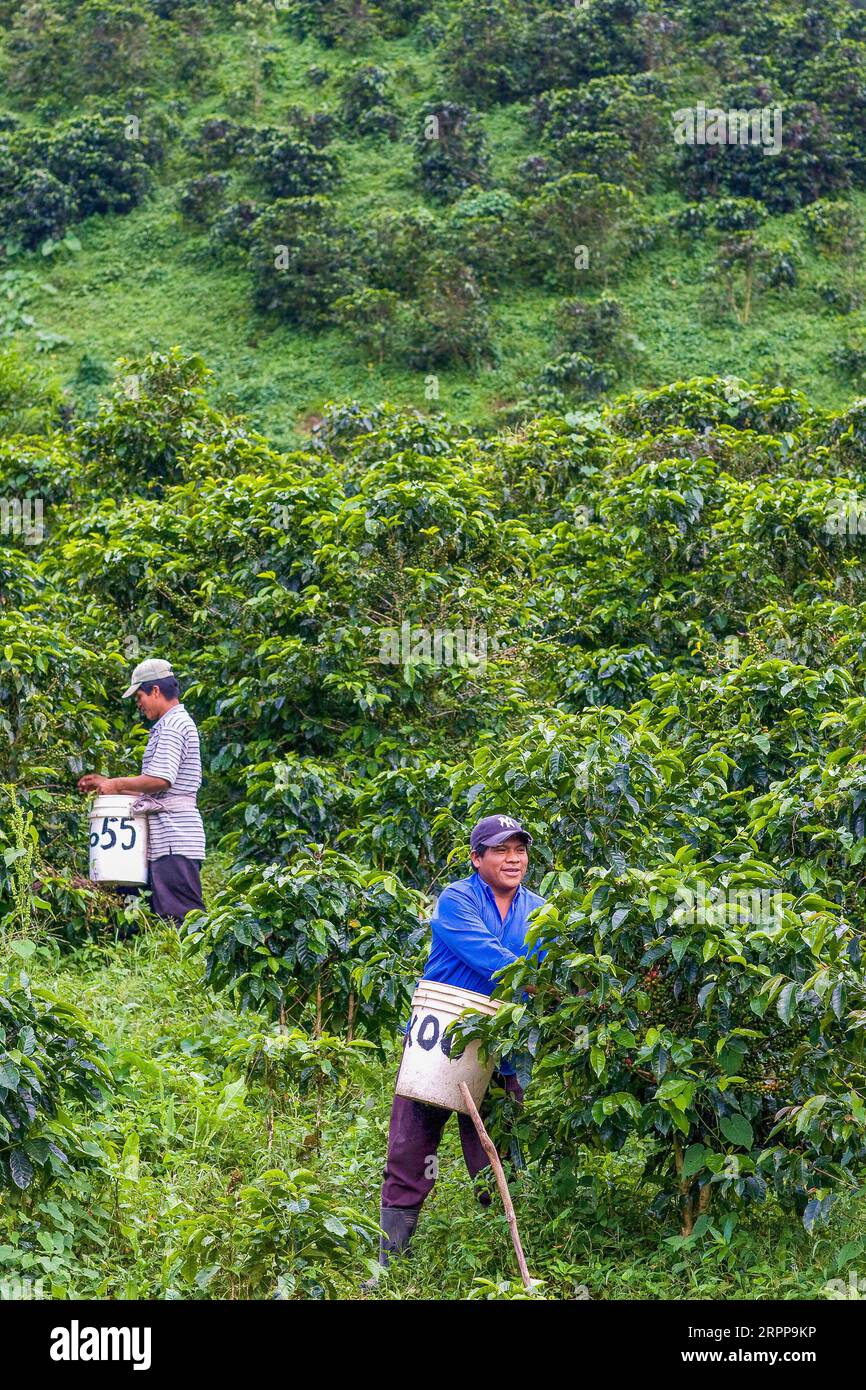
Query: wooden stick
[(496, 1164)]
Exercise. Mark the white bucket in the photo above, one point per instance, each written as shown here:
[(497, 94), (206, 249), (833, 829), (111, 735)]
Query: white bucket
[(118, 842), (426, 1071)]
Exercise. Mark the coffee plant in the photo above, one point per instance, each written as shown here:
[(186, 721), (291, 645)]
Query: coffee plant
[(328, 942), (449, 150), (532, 563), (52, 1069)]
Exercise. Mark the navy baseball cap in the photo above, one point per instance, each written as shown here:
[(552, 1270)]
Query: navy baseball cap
[(495, 830)]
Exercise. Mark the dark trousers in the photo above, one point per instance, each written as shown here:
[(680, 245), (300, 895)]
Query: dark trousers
[(413, 1141), (175, 886)]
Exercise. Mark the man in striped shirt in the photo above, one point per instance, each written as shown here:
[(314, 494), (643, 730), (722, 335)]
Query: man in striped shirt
[(166, 792)]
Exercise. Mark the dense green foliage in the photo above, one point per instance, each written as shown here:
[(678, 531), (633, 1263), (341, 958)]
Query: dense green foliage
[(398, 200), (638, 630), (321, 928), (633, 620), (48, 1059)]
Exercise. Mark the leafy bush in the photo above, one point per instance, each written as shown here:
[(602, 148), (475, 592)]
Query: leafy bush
[(280, 1233), (48, 181), (371, 317), (709, 1005), (43, 671), (155, 417), (38, 44), (850, 358), (335, 23), (835, 78), (399, 249), (49, 1062), (230, 229), (841, 299), (450, 153), (289, 168), (113, 42), (710, 402), (100, 46), (834, 226), (566, 47), (315, 127), (290, 1060), (577, 371), (105, 168), (482, 231), (737, 214), (594, 326), (449, 324), (300, 256), (326, 938), (218, 141), (615, 127), (284, 807), (483, 50), (814, 160), (577, 226), (366, 104), (200, 199), (679, 1037), (745, 267), (41, 207)]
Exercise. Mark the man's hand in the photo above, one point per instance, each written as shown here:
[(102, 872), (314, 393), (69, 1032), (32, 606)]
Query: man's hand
[(94, 782)]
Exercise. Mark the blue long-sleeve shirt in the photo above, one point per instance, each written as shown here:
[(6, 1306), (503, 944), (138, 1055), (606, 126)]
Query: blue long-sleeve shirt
[(470, 939)]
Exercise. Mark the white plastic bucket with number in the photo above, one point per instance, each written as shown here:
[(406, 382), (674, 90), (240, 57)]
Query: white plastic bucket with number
[(118, 842), (426, 1070)]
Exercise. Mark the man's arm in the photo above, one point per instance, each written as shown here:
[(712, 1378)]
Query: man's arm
[(110, 786), (166, 760), (459, 925)]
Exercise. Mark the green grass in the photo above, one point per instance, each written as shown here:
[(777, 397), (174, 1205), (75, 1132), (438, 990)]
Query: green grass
[(144, 282), (148, 280), (167, 1035)]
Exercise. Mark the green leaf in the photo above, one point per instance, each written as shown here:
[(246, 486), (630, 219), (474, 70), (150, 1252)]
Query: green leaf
[(786, 1001), (737, 1129), (694, 1160), (9, 1075), (658, 902), (679, 948), (20, 1168)]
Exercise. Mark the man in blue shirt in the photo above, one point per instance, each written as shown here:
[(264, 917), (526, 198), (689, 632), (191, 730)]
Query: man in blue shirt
[(479, 926)]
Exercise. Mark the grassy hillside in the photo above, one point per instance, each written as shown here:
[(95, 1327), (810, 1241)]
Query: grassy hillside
[(152, 278), (179, 1152), (670, 697), (328, 321)]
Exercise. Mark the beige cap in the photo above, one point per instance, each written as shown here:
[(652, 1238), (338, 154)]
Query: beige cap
[(152, 670)]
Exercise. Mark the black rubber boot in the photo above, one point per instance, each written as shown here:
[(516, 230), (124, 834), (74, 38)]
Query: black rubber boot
[(399, 1224), (484, 1187)]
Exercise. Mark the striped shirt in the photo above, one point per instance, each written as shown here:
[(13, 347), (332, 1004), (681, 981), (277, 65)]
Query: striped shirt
[(173, 753)]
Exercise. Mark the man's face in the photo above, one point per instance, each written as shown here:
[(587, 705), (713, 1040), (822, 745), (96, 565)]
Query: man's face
[(151, 703), (503, 866)]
